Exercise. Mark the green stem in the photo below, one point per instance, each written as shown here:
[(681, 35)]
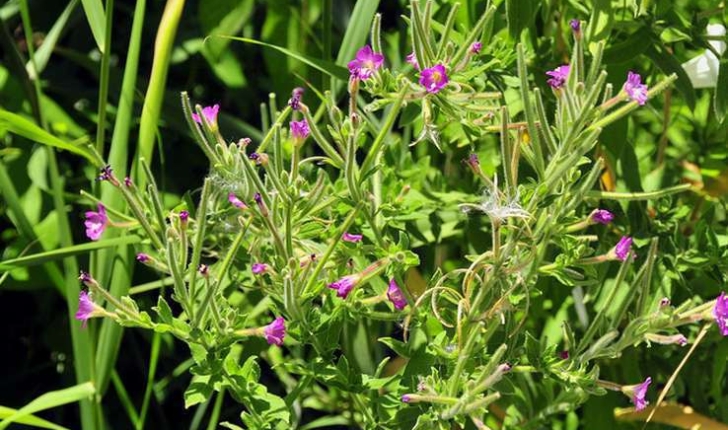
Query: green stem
[(648, 195)]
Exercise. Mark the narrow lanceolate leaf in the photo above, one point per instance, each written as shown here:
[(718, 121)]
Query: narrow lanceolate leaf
[(51, 400), (43, 53), (57, 254), (158, 81), (357, 30), (96, 20), (720, 98), (17, 124), (326, 67), (30, 420)]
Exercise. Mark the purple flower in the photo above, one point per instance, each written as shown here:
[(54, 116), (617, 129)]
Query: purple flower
[(622, 248), (184, 216), (564, 355), (558, 76), (720, 312), (259, 268), (638, 394), (353, 238), (635, 89), (96, 222), (664, 302), (86, 308), (275, 331), (344, 285), (412, 59), (204, 270), (394, 294), (128, 182), (406, 398), (300, 130), (366, 63), (235, 201), (107, 173), (601, 216), (575, 25), (434, 78), (295, 101), (142, 257), (210, 113), (476, 47)]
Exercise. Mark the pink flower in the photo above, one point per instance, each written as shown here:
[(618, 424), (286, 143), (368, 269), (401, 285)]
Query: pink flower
[(235, 201), (210, 113), (300, 130), (295, 100), (601, 216), (635, 89), (394, 294), (96, 222), (720, 312), (366, 63), (344, 285), (622, 248), (412, 59), (259, 268), (638, 393), (143, 258), (476, 47), (275, 331), (434, 78), (184, 216), (353, 238), (558, 76), (87, 308)]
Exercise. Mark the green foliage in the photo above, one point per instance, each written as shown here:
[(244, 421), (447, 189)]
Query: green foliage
[(498, 262)]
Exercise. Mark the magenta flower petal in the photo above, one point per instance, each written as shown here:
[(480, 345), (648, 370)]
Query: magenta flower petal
[(300, 129), (259, 268), (210, 113), (275, 331), (412, 59), (601, 216), (434, 78), (353, 238), (640, 392), (143, 258), (235, 201), (86, 308), (366, 63), (623, 247), (558, 76), (96, 222), (635, 89), (394, 294), (476, 47), (575, 25), (720, 312), (344, 285)]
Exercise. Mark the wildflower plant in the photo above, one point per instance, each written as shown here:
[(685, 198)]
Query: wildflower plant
[(296, 243)]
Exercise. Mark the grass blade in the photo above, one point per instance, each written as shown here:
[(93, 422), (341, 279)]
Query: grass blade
[(43, 54), (17, 124), (326, 67), (57, 254), (51, 400), (96, 20), (30, 419)]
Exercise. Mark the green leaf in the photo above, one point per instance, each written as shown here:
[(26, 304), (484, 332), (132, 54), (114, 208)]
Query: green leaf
[(96, 20), (720, 97), (17, 124), (57, 254), (357, 31), (324, 66), (43, 53), (601, 20), (519, 14), (667, 62), (51, 399), (30, 420)]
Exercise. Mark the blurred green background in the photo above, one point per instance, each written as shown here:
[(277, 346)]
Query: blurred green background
[(679, 137)]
